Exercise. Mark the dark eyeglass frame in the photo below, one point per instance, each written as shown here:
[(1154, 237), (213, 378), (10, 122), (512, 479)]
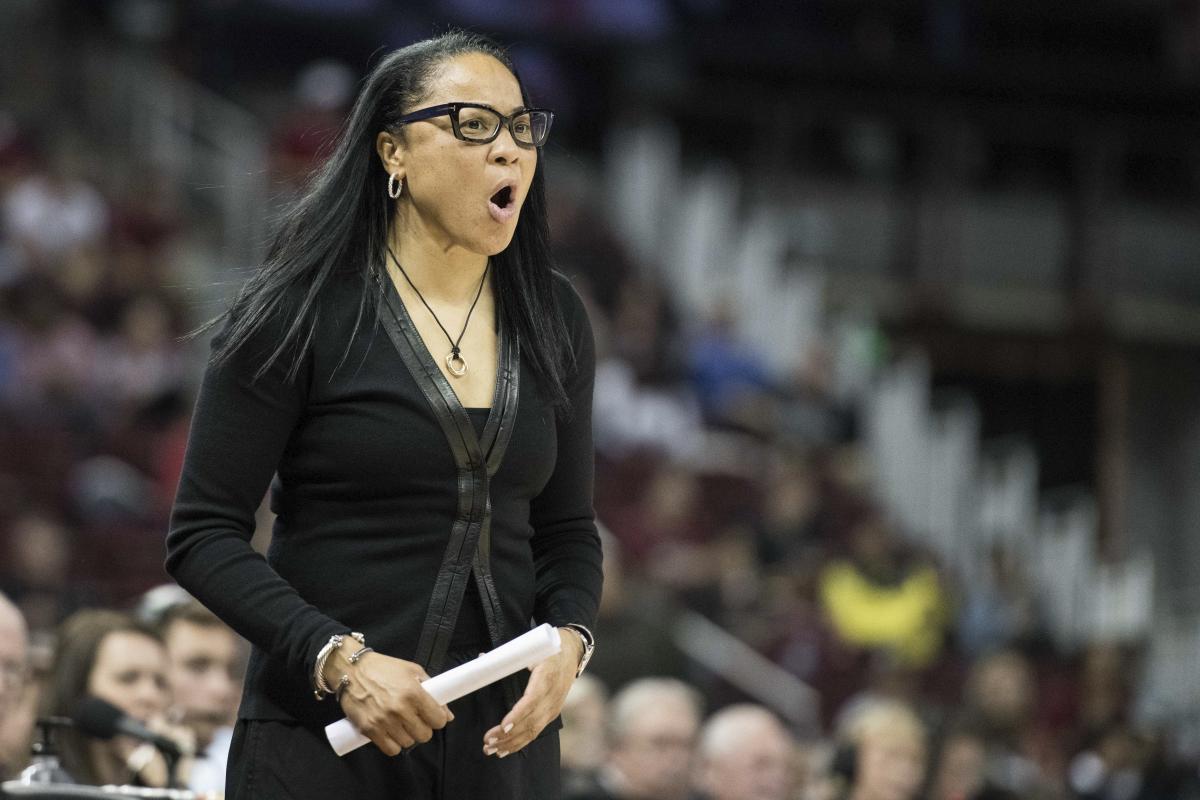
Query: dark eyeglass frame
[(452, 109)]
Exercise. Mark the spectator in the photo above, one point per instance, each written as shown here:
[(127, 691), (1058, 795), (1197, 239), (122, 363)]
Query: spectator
[(141, 360), (668, 533), (998, 609), (632, 417), (16, 693), (111, 656), (204, 665), (790, 529), (1104, 687), (637, 644), (51, 213), (884, 752), (882, 598), (746, 754), (960, 768), (811, 413), (1124, 764), (37, 571), (645, 332), (999, 698), (652, 734), (730, 379), (56, 345), (582, 740), (301, 140), (148, 211)]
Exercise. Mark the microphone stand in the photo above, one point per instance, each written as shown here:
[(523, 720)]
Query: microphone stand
[(172, 757), (45, 769)]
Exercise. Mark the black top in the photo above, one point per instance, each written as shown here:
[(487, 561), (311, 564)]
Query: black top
[(365, 490)]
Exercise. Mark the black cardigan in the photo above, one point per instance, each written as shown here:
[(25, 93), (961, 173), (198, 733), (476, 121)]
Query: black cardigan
[(367, 490)]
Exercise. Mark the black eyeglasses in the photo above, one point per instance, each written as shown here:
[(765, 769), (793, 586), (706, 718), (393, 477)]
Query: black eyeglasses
[(480, 124)]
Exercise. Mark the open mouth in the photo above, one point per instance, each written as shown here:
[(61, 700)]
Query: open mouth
[(502, 205), (503, 198)]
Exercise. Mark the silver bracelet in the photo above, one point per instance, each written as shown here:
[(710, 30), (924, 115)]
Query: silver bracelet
[(359, 653), (323, 689), (341, 687)]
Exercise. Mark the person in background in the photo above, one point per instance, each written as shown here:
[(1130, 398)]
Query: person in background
[(204, 669), (112, 656), (745, 753), (883, 756), (582, 741), (48, 214), (960, 768), (35, 572), (653, 723), (638, 644), (16, 693), (1000, 701), (884, 598)]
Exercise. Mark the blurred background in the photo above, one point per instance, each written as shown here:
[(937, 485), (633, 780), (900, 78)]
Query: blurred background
[(898, 315)]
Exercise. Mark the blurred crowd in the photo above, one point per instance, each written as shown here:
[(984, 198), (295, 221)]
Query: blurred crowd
[(725, 492), (746, 498), (93, 385), (169, 664)]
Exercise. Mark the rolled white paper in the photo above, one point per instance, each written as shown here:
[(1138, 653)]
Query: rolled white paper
[(523, 652)]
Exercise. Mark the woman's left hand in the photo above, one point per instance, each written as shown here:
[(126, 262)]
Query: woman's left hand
[(544, 696)]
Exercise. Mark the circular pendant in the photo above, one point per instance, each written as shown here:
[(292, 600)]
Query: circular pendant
[(457, 364)]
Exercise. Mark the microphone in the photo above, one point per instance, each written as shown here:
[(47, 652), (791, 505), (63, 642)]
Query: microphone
[(103, 720)]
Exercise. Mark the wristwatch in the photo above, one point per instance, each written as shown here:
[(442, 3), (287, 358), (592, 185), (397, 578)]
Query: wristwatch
[(589, 645)]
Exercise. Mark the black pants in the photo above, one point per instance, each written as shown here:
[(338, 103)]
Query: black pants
[(276, 760)]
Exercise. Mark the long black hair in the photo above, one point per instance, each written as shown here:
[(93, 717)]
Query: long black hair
[(340, 223)]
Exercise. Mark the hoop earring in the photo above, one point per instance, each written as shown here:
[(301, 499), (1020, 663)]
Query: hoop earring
[(395, 186)]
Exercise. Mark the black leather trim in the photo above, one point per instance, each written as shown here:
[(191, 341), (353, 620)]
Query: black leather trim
[(497, 432), (469, 546)]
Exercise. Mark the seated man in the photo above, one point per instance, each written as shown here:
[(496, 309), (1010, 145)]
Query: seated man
[(745, 752), (17, 697), (652, 735), (885, 745), (204, 669)]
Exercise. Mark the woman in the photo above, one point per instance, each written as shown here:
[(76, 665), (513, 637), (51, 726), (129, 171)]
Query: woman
[(111, 656), (420, 380)]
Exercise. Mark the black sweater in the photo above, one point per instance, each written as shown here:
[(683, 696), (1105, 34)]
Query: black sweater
[(365, 492)]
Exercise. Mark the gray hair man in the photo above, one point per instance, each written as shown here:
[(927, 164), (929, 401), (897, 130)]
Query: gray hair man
[(16, 695), (745, 753), (652, 728)]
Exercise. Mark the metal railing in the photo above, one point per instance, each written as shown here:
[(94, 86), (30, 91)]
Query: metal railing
[(152, 118), (727, 656)]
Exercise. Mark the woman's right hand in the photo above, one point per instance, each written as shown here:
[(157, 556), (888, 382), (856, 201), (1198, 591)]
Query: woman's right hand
[(385, 700)]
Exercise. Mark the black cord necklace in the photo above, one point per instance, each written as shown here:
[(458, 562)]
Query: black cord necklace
[(454, 360)]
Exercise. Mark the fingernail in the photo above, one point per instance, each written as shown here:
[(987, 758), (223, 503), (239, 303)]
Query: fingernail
[(508, 727), (489, 751), (492, 741), (503, 753)]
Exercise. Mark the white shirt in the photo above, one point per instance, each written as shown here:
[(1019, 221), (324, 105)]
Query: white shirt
[(208, 771)]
